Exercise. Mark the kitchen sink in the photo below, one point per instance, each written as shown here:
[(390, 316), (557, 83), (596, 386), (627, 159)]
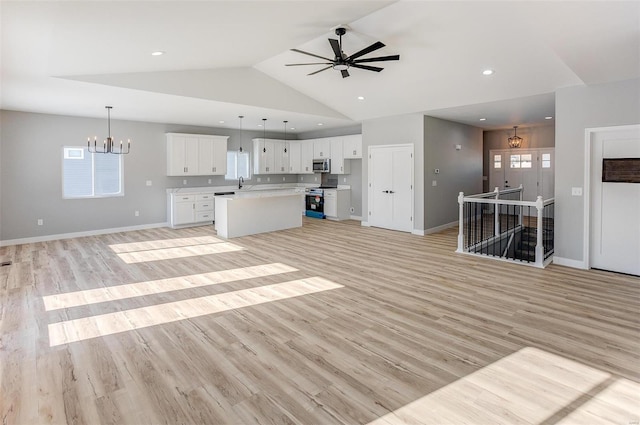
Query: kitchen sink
[(224, 193)]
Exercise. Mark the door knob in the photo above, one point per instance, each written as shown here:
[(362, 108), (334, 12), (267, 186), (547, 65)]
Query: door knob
[(391, 191), (385, 191)]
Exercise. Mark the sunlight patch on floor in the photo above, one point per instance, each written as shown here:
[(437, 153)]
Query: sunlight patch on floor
[(178, 252), (529, 386), (163, 243), (152, 287), (128, 320)]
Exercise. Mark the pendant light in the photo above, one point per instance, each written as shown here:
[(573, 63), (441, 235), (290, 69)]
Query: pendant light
[(108, 144), (241, 117), (515, 141), (285, 136), (264, 134)]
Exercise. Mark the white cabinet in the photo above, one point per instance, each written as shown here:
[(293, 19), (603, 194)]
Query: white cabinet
[(212, 155), (263, 156), (338, 163), (196, 155), (306, 157), (190, 209), (352, 146), (182, 155), (281, 157), (337, 204), (295, 157), (321, 148)]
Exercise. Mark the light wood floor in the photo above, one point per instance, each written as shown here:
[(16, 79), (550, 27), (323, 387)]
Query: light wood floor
[(331, 323)]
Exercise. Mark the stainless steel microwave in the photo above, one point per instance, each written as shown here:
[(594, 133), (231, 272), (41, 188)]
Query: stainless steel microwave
[(322, 165)]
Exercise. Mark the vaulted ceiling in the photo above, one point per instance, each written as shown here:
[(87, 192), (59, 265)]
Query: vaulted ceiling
[(226, 58)]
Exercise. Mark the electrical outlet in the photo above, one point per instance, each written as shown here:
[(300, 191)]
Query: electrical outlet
[(284, 179), (40, 222), (184, 181), (137, 213), (268, 179), (149, 183), (344, 180), (315, 179), (576, 191), (209, 181), (259, 179), (352, 210)]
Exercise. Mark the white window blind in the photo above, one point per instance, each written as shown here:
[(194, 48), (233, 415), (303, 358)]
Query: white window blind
[(88, 175)]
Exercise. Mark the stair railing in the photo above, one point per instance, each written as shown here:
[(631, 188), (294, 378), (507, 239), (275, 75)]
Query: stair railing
[(508, 235)]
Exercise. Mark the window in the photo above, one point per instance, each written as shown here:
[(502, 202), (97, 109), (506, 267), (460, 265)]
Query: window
[(521, 161), (88, 175), (497, 161), (238, 165), (546, 160)]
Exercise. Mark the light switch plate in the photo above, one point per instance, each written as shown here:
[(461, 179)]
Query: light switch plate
[(576, 191), (149, 182), (434, 182)]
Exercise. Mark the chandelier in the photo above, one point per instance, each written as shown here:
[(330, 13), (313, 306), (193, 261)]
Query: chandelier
[(515, 141), (109, 145)]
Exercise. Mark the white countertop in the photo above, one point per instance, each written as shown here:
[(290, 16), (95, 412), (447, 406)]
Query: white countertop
[(248, 188), (263, 193)]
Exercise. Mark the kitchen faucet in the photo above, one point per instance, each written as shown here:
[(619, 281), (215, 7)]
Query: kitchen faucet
[(240, 181)]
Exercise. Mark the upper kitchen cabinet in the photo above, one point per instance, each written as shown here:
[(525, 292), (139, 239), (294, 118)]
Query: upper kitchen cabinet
[(196, 155), (321, 148), (182, 154), (306, 157), (212, 155), (281, 157), (352, 146), (338, 164), (263, 156)]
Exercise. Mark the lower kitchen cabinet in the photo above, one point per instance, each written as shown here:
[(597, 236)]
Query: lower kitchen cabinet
[(190, 209), (337, 204)]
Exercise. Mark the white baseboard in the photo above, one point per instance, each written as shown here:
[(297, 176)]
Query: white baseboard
[(418, 232), (80, 234), (567, 262), (441, 228), (364, 224), (355, 217)]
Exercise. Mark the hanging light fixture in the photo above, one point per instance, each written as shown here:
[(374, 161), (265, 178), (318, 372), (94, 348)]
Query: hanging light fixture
[(109, 143), (264, 134), (240, 116), (515, 141), (285, 136)]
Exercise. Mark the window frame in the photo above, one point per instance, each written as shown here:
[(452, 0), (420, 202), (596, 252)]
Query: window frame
[(93, 195), (235, 153)]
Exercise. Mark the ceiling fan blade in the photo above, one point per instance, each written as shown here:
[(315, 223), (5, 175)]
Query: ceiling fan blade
[(320, 70), (368, 68), (379, 59), (345, 73), (314, 63), (336, 47), (375, 46), (311, 54)]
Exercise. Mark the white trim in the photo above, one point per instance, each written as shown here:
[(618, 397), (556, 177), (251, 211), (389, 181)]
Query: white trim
[(365, 224), (586, 192), (441, 228), (418, 232), (355, 217), (568, 262), (81, 234)]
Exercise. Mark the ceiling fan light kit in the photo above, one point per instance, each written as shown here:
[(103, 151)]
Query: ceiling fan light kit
[(341, 62)]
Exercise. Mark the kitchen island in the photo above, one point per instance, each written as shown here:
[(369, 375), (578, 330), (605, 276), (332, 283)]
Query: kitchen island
[(248, 213)]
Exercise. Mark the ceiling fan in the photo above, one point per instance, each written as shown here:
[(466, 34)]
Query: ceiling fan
[(342, 62)]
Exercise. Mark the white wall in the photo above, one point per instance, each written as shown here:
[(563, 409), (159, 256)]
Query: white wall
[(578, 108)]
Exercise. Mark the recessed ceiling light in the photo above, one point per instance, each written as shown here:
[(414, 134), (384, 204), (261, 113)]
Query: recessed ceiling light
[(483, 119), (292, 128), (157, 53), (320, 123), (221, 121), (548, 118), (360, 97), (487, 72), (259, 125)]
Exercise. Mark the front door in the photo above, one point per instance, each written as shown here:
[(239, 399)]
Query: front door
[(391, 187), (615, 204)]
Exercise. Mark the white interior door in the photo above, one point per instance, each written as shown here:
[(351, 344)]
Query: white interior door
[(615, 207), (391, 187), (546, 167)]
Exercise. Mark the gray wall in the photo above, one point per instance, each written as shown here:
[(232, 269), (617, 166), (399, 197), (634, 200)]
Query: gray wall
[(31, 174), (533, 137), (401, 129), (460, 170), (578, 108)]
